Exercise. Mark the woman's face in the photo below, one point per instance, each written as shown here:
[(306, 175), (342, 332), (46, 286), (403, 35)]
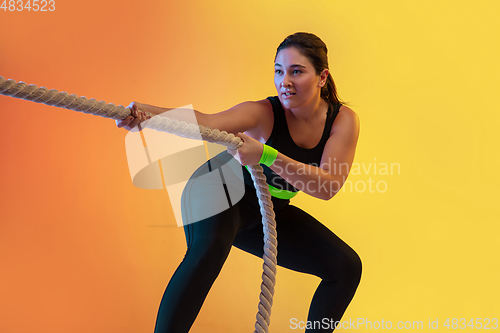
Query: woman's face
[(295, 74)]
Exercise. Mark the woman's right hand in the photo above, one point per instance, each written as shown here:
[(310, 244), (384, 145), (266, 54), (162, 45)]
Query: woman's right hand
[(138, 116)]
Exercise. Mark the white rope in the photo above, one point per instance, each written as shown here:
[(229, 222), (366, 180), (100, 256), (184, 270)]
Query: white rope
[(101, 108)]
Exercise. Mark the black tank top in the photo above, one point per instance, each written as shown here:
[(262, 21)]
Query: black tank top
[(281, 140)]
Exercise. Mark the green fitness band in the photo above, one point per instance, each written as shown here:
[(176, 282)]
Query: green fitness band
[(269, 155), (276, 192)]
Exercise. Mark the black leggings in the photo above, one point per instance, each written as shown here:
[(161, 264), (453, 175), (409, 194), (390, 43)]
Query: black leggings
[(304, 245)]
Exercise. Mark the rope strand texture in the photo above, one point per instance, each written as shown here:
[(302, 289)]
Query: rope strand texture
[(101, 108)]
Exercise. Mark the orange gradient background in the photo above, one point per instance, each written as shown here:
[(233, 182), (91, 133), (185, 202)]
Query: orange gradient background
[(83, 250)]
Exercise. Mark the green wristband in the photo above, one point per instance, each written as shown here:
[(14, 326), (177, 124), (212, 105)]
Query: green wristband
[(269, 155)]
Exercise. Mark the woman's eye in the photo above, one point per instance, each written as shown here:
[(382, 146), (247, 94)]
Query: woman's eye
[(277, 71), (296, 71)]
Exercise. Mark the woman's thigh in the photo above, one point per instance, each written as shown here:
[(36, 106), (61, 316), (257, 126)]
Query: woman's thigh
[(215, 205), (304, 245)]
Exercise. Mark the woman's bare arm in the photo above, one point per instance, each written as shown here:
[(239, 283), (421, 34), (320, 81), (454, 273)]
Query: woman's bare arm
[(325, 180), (243, 117)]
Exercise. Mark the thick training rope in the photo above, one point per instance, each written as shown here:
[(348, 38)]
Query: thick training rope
[(82, 104)]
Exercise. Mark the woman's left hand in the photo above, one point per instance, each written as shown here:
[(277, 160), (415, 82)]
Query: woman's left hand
[(249, 153)]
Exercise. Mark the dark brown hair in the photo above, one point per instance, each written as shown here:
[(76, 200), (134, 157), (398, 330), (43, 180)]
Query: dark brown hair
[(312, 47)]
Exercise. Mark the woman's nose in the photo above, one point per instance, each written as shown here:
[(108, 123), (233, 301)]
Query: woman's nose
[(285, 82)]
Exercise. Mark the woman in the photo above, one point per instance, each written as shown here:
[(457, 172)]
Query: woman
[(309, 139)]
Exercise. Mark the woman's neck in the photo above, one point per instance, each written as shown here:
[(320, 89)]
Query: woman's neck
[(310, 111)]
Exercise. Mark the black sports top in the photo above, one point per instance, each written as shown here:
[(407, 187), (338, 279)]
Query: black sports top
[(281, 140)]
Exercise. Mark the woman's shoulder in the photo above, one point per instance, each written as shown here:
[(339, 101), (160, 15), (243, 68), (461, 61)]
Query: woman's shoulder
[(253, 108), (263, 111), (265, 104), (347, 110), (346, 118)]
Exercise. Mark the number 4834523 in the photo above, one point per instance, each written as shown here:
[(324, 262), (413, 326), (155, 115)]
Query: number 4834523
[(29, 5)]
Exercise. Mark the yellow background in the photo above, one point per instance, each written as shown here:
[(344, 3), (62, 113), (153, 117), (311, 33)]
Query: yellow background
[(83, 250)]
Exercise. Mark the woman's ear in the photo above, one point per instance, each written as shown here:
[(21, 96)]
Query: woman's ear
[(323, 77)]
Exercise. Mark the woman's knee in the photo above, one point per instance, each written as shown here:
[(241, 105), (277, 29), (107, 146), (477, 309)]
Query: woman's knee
[(212, 237), (344, 268), (353, 268), (210, 251)]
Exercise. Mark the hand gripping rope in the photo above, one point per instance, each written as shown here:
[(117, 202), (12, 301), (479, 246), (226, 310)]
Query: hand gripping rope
[(163, 124)]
